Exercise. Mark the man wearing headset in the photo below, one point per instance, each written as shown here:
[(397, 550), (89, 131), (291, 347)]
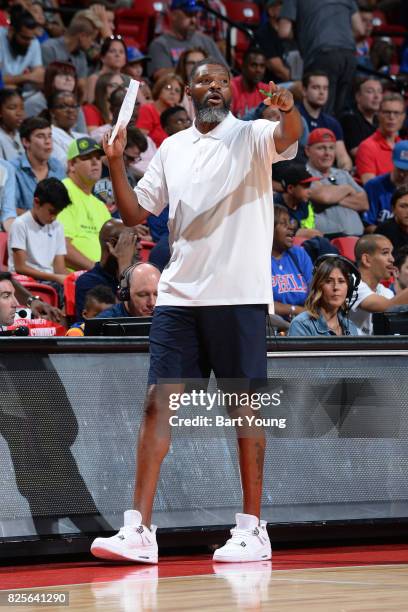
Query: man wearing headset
[(137, 292)]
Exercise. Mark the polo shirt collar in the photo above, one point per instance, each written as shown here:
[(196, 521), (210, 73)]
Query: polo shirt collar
[(53, 164), (381, 140), (316, 173), (24, 163), (218, 132)]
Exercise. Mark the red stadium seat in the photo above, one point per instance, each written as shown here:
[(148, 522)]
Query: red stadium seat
[(69, 292), (145, 250), (299, 240), (3, 251), (346, 246), (45, 292), (139, 21), (243, 11)]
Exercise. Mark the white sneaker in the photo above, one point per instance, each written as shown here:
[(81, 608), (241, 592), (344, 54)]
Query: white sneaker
[(249, 542), (133, 542)]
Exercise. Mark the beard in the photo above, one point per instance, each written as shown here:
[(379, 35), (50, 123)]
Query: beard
[(15, 47), (205, 113)]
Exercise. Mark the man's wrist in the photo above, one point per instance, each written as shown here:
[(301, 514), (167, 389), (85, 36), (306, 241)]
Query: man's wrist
[(292, 312), (289, 110), (32, 299)]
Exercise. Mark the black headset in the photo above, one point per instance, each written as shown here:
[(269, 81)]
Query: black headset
[(353, 275), (124, 281)]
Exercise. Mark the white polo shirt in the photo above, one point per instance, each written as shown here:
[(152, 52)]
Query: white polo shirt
[(219, 189)]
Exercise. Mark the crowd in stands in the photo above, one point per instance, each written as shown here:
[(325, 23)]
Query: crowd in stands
[(64, 75)]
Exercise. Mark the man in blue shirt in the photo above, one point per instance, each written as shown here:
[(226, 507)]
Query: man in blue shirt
[(36, 163), (120, 249), (138, 292), (380, 189), (315, 96), (20, 53)]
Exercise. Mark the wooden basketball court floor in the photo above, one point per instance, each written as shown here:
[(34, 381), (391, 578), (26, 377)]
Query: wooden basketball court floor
[(343, 579)]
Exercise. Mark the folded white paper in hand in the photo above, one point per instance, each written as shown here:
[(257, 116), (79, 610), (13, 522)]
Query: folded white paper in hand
[(126, 109)]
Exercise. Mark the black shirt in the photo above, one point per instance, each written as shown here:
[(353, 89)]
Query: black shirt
[(298, 214), (356, 128), (271, 45), (96, 276), (391, 230)]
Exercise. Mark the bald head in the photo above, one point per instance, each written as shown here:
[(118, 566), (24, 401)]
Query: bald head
[(120, 246), (368, 245), (374, 259), (143, 282), (110, 232)]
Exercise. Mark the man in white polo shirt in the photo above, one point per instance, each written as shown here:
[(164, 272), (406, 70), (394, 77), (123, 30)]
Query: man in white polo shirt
[(211, 308)]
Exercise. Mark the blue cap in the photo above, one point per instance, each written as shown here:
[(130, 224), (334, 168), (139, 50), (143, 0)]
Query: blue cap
[(134, 55), (400, 155), (188, 6)]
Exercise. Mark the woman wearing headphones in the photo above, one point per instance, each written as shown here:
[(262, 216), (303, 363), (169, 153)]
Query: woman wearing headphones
[(334, 283)]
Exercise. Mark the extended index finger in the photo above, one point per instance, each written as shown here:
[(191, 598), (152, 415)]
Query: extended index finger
[(273, 88)]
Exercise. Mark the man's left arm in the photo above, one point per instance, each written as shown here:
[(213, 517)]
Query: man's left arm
[(356, 201), (290, 126), (39, 308)]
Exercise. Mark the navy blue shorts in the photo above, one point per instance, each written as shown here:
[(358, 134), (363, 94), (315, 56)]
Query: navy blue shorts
[(189, 341)]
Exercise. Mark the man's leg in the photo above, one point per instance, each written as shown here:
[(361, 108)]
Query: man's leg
[(251, 462), (174, 356), (153, 446), (236, 344)]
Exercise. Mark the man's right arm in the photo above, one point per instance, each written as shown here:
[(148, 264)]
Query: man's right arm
[(379, 303), (126, 199), (285, 28)]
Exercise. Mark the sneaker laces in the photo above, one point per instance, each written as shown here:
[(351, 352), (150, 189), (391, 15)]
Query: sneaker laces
[(125, 531), (238, 535)]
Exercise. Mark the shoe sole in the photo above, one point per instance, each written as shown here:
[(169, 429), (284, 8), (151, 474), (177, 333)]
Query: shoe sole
[(111, 554), (265, 557)]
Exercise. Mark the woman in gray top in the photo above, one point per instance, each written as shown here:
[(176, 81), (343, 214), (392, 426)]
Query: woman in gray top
[(333, 286)]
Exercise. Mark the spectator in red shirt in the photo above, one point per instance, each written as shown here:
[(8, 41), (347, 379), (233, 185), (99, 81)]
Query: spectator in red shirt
[(374, 154), (167, 92), (245, 88)]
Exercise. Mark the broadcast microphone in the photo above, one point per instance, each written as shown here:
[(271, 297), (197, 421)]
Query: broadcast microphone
[(19, 331)]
